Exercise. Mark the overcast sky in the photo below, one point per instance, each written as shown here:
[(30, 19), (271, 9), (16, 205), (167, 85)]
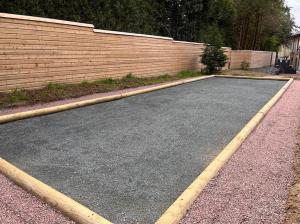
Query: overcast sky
[(295, 5)]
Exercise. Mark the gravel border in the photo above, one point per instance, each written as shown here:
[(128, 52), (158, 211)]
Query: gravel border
[(19, 207), (253, 186)]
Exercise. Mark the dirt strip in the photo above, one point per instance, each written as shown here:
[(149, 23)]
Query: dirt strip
[(20, 207), (72, 100), (253, 186)]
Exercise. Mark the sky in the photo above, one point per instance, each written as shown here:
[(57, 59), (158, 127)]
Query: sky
[(295, 9)]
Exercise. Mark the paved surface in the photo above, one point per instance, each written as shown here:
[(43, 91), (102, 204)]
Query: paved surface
[(20, 207), (270, 70), (130, 159), (253, 186)]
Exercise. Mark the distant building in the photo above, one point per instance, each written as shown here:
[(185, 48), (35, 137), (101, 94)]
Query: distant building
[(291, 50)]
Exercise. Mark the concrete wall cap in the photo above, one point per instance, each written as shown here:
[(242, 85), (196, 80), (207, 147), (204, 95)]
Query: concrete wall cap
[(187, 42), (45, 20), (131, 34)]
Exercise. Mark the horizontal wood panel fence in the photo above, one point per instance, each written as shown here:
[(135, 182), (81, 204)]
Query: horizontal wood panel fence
[(35, 51), (256, 59)]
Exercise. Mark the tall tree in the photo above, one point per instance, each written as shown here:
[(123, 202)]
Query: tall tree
[(262, 25)]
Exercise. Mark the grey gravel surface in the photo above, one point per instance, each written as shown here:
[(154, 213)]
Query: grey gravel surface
[(129, 160)]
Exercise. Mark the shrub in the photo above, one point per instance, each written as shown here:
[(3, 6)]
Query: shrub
[(186, 74), (55, 86), (128, 76), (214, 59), (84, 83), (18, 95), (245, 65), (108, 81)]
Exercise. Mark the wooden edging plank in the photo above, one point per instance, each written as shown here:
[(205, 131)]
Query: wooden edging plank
[(178, 209)]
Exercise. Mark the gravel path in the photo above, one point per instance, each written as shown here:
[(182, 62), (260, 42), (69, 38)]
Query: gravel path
[(253, 186), (20, 207)]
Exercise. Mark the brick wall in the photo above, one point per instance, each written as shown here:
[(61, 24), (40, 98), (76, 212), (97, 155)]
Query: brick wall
[(35, 51)]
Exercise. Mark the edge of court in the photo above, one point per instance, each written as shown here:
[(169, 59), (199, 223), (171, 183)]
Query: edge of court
[(177, 210)]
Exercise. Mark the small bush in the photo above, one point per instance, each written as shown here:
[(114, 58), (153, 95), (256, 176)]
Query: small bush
[(214, 59), (165, 76), (108, 81), (186, 74), (84, 83), (18, 95), (129, 76), (245, 65), (55, 86)]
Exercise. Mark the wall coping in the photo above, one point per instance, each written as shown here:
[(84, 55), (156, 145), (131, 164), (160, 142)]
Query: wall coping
[(187, 42), (46, 20), (131, 34), (252, 51), (64, 22)]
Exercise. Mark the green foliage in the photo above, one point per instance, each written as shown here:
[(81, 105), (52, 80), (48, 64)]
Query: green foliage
[(84, 83), (18, 95), (213, 36), (272, 43), (219, 23), (262, 25), (186, 74), (240, 24), (54, 86), (214, 59), (57, 91), (108, 81), (129, 76)]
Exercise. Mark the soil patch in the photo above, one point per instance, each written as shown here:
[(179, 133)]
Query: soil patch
[(59, 91)]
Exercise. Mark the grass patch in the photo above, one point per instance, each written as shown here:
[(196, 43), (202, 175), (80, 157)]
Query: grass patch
[(186, 74), (58, 91)]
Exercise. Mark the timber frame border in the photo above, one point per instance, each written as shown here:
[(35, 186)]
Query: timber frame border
[(178, 209)]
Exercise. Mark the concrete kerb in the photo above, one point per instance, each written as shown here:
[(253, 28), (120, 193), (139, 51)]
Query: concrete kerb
[(179, 208), (80, 213)]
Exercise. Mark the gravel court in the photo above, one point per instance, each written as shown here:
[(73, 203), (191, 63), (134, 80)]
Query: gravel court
[(130, 159)]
